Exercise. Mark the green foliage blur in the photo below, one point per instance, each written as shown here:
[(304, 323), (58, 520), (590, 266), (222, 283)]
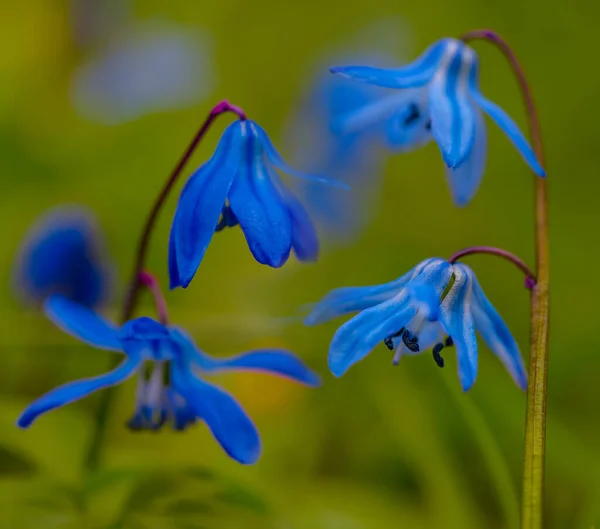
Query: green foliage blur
[(381, 447)]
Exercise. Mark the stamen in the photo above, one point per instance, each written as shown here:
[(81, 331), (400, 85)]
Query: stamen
[(413, 114), (389, 341), (436, 354), (411, 341), (449, 342), (227, 219)]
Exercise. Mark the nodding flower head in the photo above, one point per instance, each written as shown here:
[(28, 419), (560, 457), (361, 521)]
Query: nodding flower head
[(173, 393), (435, 305), (440, 99), (63, 253), (240, 185)]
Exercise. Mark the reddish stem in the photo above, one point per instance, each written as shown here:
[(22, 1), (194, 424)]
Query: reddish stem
[(148, 280), (131, 296), (499, 252)]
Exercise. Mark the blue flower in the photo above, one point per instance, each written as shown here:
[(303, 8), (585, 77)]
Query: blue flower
[(173, 393), (353, 156), (240, 184), (436, 304), (63, 253), (444, 103)]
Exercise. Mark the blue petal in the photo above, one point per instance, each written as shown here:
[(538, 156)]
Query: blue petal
[(174, 277), (496, 334), (305, 241), (450, 105), (143, 328), (258, 205), (200, 206), (351, 299), (455, 317), (228, 422), (358, 337), (464, 181), (76, 390), (81, 322), (276, 159), (510, 128), (276, 361), (417, 73)]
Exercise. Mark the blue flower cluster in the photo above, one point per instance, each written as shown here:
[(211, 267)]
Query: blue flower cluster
[(438, 304)]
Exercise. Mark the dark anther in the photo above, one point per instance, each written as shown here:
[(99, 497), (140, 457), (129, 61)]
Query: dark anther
[(413, 114), (411, 342), (389, 341), (227, 219), (436, 354), (428, 125), (449, 342)]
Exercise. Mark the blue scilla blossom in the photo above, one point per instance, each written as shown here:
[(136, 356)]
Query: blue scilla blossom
[(174, 392), (352, 155), (435, 305), (441, 99), (63, 253), (240, 185)]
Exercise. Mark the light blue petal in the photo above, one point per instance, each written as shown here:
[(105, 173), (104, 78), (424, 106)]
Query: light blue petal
[(76, 390), (351, 299), (451, 107), (276, 159), (276, 361), (200, 206), (228, 422), (496, 334), (464, 181), (417, 73), (258, 205), (358, 337), (82, 323), (510, 128), (457, 321), (305, 241)]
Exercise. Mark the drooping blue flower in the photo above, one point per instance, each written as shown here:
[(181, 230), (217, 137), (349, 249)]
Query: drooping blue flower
[(174, 393), (446, 104), (436, 304), (240, 185), (63, 253)]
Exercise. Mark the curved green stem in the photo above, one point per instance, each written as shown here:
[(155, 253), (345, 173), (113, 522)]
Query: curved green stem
[(137, 279), (535, 427)]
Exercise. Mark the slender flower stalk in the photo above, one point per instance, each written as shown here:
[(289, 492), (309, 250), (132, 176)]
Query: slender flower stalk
[(504, 254), (148, 280), (535, 428), (130, 299), (138, 278)]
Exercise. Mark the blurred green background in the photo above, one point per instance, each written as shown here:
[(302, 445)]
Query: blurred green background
[(381, 447)]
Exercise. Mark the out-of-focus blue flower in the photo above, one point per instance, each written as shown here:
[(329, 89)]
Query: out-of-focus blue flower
[(63, 253), (351, 156), (173, 393), (416, 312), (240, 185), (444, 103), (147, 67)]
